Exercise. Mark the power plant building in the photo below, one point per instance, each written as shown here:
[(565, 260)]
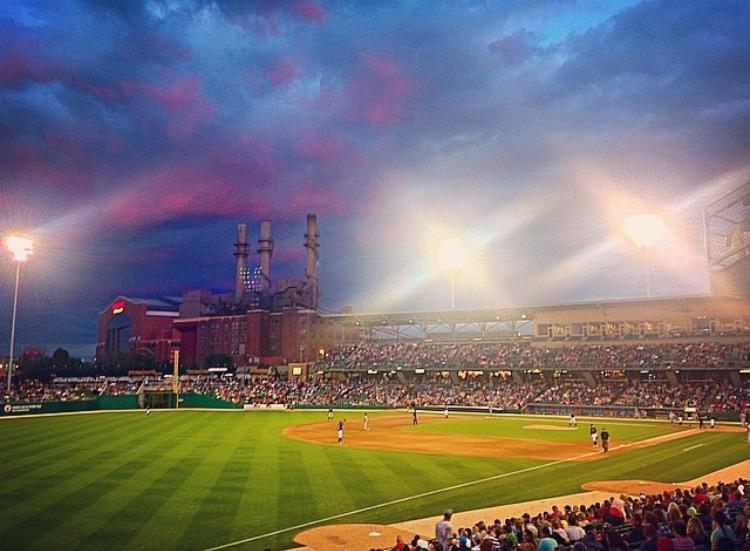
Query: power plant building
[(253, 324)]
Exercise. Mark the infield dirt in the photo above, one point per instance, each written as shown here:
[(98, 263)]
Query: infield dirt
[(390, 433)]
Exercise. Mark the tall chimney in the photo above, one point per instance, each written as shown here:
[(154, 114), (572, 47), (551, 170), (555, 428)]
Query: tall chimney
[(311, 269), (240, 251), (265, 250)]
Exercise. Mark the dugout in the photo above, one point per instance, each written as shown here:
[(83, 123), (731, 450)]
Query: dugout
[(158, 399)]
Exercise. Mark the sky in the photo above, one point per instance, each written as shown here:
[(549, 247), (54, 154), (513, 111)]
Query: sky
[(135, 136)]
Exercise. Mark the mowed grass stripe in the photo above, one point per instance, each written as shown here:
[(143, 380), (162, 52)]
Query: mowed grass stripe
[(75, 457), (207, 516), (176, 505), (43, 442), (122, 512), (43, 511)]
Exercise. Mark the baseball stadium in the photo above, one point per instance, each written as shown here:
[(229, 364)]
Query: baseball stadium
[(265, 422)]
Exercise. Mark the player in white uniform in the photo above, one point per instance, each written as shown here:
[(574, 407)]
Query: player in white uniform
[(340, 433), (573, 422), (445, 412), (713, 423), (594, 435)]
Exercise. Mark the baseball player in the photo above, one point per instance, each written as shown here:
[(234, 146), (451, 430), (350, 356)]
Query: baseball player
[(573, 421), (330, 414), (594, 435), (367, 422), (605, 440), (340, 433), (414, 420), (713, 423), (445, 412)]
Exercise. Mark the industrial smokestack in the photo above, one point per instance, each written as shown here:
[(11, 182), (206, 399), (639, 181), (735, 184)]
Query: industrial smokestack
[(240, 251), (311, 268), (265, 250)]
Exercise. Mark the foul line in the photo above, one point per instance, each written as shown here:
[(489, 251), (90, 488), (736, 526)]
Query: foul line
[(426, 494), (692, 447)]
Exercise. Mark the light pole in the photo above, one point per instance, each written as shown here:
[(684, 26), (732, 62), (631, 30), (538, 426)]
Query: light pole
[(21, 248), (645, 231)]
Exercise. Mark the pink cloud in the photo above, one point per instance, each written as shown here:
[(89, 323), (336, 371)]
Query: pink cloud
[(379, 92), (182, 101), (309, 10), (327, 148), (283, 72)]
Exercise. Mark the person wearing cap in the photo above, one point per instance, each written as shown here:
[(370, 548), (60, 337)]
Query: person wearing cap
[(443, 529)]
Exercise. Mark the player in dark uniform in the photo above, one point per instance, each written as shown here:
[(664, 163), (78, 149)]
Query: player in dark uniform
[(605, 440), (700, 420), (414, 415)]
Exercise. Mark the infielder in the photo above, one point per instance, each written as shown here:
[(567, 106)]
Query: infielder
[(340, 433), (594, 435), (713, 423), (367, 422)]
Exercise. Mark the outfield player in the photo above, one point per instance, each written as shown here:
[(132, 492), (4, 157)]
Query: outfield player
[(330, 414), (713, 423), (367, 422), (573, 421), (445, 412), (594, 435)]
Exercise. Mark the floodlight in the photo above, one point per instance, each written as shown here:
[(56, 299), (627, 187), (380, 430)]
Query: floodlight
[(452, 254), (644, 230), (20, 247)]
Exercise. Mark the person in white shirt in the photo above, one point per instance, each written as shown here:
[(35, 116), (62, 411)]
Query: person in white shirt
[(574, 531)]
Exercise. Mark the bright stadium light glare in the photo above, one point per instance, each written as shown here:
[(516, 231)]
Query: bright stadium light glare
[(452, 254), (645, 230), (20, 247)]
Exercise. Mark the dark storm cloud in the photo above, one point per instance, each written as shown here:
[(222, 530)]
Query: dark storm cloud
[(139, 133)]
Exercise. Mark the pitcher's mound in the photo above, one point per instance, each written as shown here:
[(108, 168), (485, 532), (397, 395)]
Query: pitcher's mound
[(351, 536), (548, 427)]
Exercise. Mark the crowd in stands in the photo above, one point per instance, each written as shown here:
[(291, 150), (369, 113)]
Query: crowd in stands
[(31, 390), (705, 518), (507, 355), (386, 389)]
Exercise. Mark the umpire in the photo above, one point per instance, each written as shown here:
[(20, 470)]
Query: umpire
[(605, 440)]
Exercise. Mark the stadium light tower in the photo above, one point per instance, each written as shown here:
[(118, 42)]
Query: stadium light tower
[(21, 248), (645, 231), (452, 257)]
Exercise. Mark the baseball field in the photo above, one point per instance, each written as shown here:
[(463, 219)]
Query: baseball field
[(197, 480)]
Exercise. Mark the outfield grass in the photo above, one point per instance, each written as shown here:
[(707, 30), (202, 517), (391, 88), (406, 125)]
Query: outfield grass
[(505, 426), (192, 480)]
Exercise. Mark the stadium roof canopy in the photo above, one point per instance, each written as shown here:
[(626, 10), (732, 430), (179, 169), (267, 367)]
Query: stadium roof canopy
[(513, 315)]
